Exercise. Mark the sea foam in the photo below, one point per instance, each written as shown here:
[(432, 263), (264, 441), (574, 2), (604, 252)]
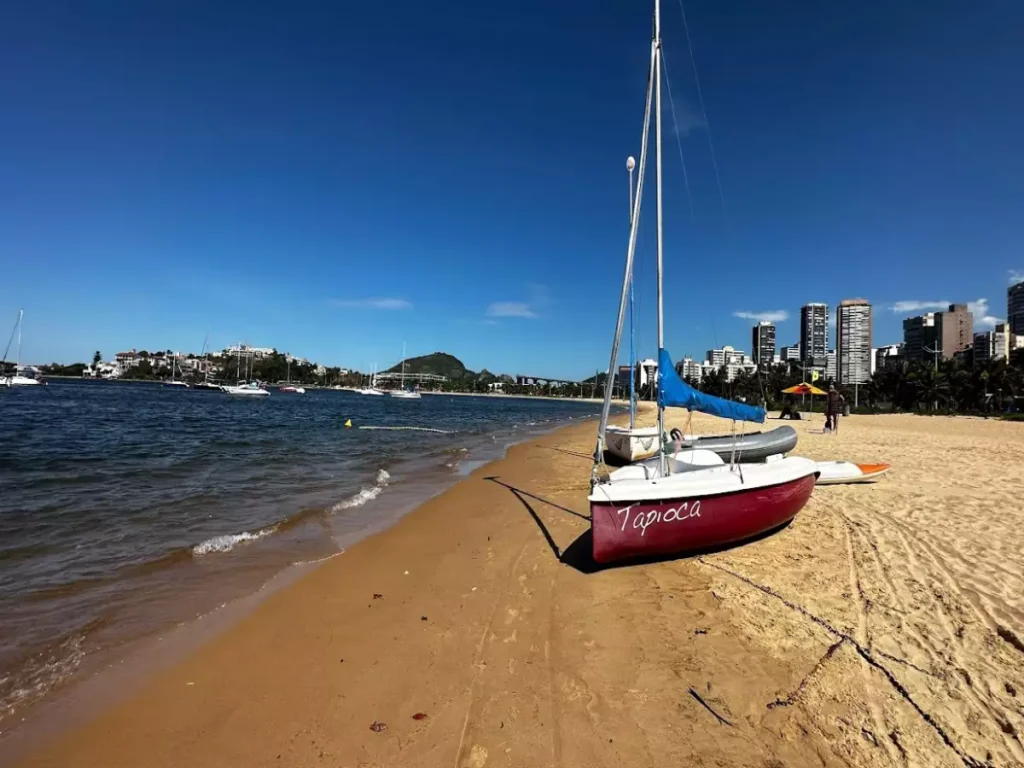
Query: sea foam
[(228, 542), (365, 494)]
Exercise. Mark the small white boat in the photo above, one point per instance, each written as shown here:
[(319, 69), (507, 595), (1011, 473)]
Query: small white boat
[(370, 391), (247, 389), (289, 388), (17, 379), (402, 393), (843, 472), (175, 382), (20, 381), (405, 394), (633, 444)]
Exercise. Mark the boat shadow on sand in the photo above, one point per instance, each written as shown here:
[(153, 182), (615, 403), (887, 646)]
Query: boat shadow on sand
[(579, 554)]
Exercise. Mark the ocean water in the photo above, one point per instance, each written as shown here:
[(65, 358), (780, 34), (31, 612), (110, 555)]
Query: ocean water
[(126, 508)]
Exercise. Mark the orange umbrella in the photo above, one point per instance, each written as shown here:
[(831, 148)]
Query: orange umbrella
[(803, 389)]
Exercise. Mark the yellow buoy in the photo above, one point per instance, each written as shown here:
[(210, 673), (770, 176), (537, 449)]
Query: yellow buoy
[(348, 423)]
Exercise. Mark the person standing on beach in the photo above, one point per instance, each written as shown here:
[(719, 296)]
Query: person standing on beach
[(833, 407)]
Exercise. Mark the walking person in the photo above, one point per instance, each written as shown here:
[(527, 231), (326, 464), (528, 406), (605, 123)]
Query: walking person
[(834, 403)]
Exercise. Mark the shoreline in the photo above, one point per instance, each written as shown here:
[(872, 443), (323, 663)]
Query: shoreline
[(474, 632), (115, 672)]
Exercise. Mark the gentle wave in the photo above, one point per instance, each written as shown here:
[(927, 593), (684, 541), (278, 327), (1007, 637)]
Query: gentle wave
[(366, 493), (227, 542), (38, 675)]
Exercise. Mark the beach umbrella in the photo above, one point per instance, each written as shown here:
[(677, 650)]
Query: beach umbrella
[(803, 388)]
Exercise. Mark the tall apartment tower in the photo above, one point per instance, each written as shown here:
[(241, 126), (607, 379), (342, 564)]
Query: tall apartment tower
[(853, 341), (764, 343), (918, 333), (814, 334), (1015, 308), (954, 330)]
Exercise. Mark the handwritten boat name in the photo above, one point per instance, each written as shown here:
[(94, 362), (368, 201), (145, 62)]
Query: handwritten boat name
[(641, 520)]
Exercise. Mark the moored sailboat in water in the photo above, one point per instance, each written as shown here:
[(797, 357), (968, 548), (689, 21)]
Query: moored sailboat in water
[(693, 500)]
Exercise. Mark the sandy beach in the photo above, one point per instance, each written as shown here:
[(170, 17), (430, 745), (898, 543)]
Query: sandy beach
[(884, 626)]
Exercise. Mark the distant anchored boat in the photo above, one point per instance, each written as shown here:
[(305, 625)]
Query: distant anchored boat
[(247, 389), (17, 379)]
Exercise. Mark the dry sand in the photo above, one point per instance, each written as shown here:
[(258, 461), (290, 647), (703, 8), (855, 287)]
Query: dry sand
[(883, 627)]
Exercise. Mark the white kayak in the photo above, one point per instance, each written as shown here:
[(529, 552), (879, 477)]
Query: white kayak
[(840, 472)]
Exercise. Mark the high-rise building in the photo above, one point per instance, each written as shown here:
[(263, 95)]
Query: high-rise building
[(830, 365), (992, 345), (954, 330), (1015, 308), (790, 353), (888, 355), (764, 343), (948, 332), (853, 341), (725, 356), (918, 333), (814, 334), (688, 368)]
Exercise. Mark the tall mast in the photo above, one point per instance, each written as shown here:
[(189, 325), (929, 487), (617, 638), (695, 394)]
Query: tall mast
[(630, 252), (630, 164), (657, 164), (21, 317)]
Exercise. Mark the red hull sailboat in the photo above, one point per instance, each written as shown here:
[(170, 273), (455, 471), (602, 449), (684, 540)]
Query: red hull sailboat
[(692, 500), (624, 531)]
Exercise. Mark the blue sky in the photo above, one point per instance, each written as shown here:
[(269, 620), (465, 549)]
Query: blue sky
[(336, 178)]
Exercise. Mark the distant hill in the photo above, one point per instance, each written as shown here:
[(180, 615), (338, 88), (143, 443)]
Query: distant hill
[(441, 364)]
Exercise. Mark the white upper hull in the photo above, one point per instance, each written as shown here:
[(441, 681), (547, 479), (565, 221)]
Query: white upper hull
[(19, 381), (404, 395), (247, 391), (705, 474)]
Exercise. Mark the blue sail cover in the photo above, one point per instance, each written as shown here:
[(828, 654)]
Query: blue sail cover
[(674, 391)]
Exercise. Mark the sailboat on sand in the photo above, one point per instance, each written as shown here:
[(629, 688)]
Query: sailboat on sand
[(692, 500)]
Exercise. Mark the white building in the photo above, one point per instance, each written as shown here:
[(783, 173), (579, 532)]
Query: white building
[(830, 365), (126, 360), (853, 342), (688, 368), (992, 345), (648, 372), (790, 353), (245, 349)]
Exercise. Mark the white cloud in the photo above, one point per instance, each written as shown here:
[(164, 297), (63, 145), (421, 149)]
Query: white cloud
[(539, 300), (771, 315), (906, 307), (390, 304), (1015, 276), (510, 309), (685, 118), (982, 318)]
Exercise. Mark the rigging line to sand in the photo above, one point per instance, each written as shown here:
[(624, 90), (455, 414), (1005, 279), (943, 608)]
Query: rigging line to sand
[(862, 652)]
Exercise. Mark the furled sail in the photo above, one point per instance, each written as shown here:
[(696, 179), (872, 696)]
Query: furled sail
[(674, 391)]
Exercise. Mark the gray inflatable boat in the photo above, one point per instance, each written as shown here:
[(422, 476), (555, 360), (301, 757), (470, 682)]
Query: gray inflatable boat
[(750, 448)]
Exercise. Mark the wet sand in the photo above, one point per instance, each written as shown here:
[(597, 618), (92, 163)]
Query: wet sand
[(884, 626)]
